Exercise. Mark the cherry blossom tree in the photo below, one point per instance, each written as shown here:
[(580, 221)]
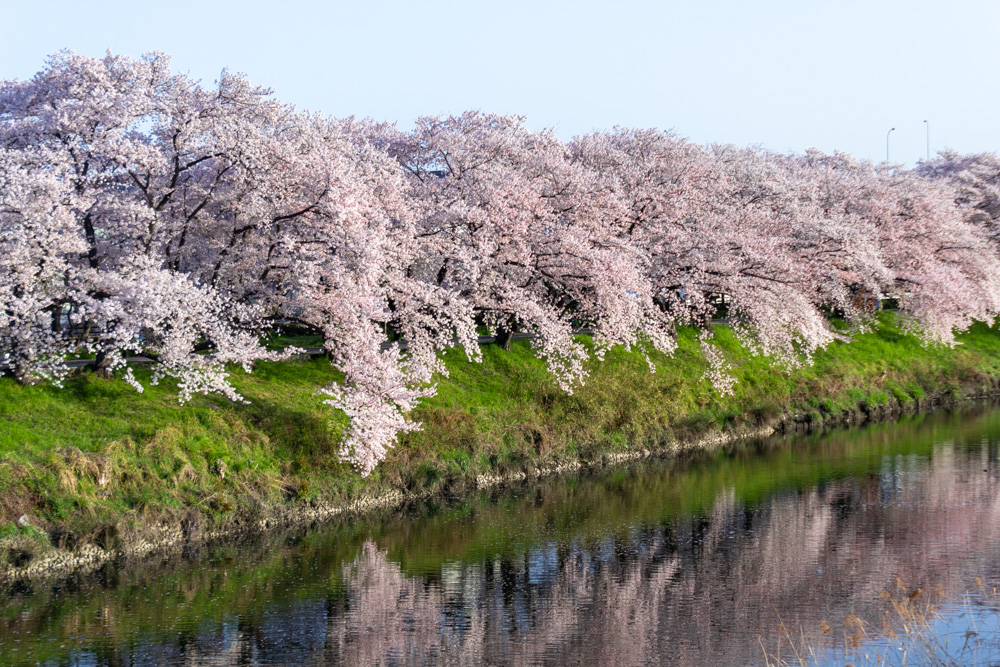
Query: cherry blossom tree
[(142, 212), (201, 215), (517, 229), (710, 222), (898, 233), (975, 181), (113, 128)]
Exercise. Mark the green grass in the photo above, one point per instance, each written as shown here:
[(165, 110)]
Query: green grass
[(95, 460)]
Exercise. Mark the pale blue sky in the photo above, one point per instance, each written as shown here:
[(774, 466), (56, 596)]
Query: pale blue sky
[(787, 75)]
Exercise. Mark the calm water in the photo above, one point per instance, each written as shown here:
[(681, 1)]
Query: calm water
[(706, 562)]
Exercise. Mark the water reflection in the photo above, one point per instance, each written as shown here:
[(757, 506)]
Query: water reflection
[(676, 564)]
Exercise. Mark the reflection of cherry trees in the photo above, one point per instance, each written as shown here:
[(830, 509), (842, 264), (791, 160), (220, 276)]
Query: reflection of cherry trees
[(692, 591), (391, 617)]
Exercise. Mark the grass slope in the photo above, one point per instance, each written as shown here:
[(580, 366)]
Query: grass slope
[(92, 459)]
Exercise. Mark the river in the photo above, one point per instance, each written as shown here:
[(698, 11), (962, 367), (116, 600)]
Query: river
[(741, 556)]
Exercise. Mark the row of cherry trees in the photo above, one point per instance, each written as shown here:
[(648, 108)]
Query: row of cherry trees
[(142, 212)]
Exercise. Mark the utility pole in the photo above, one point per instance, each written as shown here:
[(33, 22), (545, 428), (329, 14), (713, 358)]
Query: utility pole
[(887, 143)]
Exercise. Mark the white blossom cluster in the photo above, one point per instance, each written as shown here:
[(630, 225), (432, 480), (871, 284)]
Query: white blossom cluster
[(142, 213)]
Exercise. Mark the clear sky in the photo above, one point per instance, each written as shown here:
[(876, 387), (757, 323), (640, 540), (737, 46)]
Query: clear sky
[(834, 75)]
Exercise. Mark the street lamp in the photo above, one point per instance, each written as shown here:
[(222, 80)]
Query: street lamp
[(887, 143), (928, 140)]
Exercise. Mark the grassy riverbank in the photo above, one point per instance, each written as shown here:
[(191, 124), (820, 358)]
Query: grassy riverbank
[(95, 461), (287, 569)]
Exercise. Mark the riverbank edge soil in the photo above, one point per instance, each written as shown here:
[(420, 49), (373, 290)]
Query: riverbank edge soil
[(36, 547)]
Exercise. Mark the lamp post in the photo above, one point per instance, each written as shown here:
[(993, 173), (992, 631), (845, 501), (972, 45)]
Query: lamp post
[(928, 140), (887, 143)]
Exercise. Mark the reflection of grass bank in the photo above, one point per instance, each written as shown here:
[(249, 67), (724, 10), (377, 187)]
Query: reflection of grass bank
[(95, 461), (654, 493)]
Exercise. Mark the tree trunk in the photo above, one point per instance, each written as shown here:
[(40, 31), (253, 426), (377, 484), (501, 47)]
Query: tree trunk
[(503, 337), (22, 372), (57, 317), (102, 366), (19, 365)]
